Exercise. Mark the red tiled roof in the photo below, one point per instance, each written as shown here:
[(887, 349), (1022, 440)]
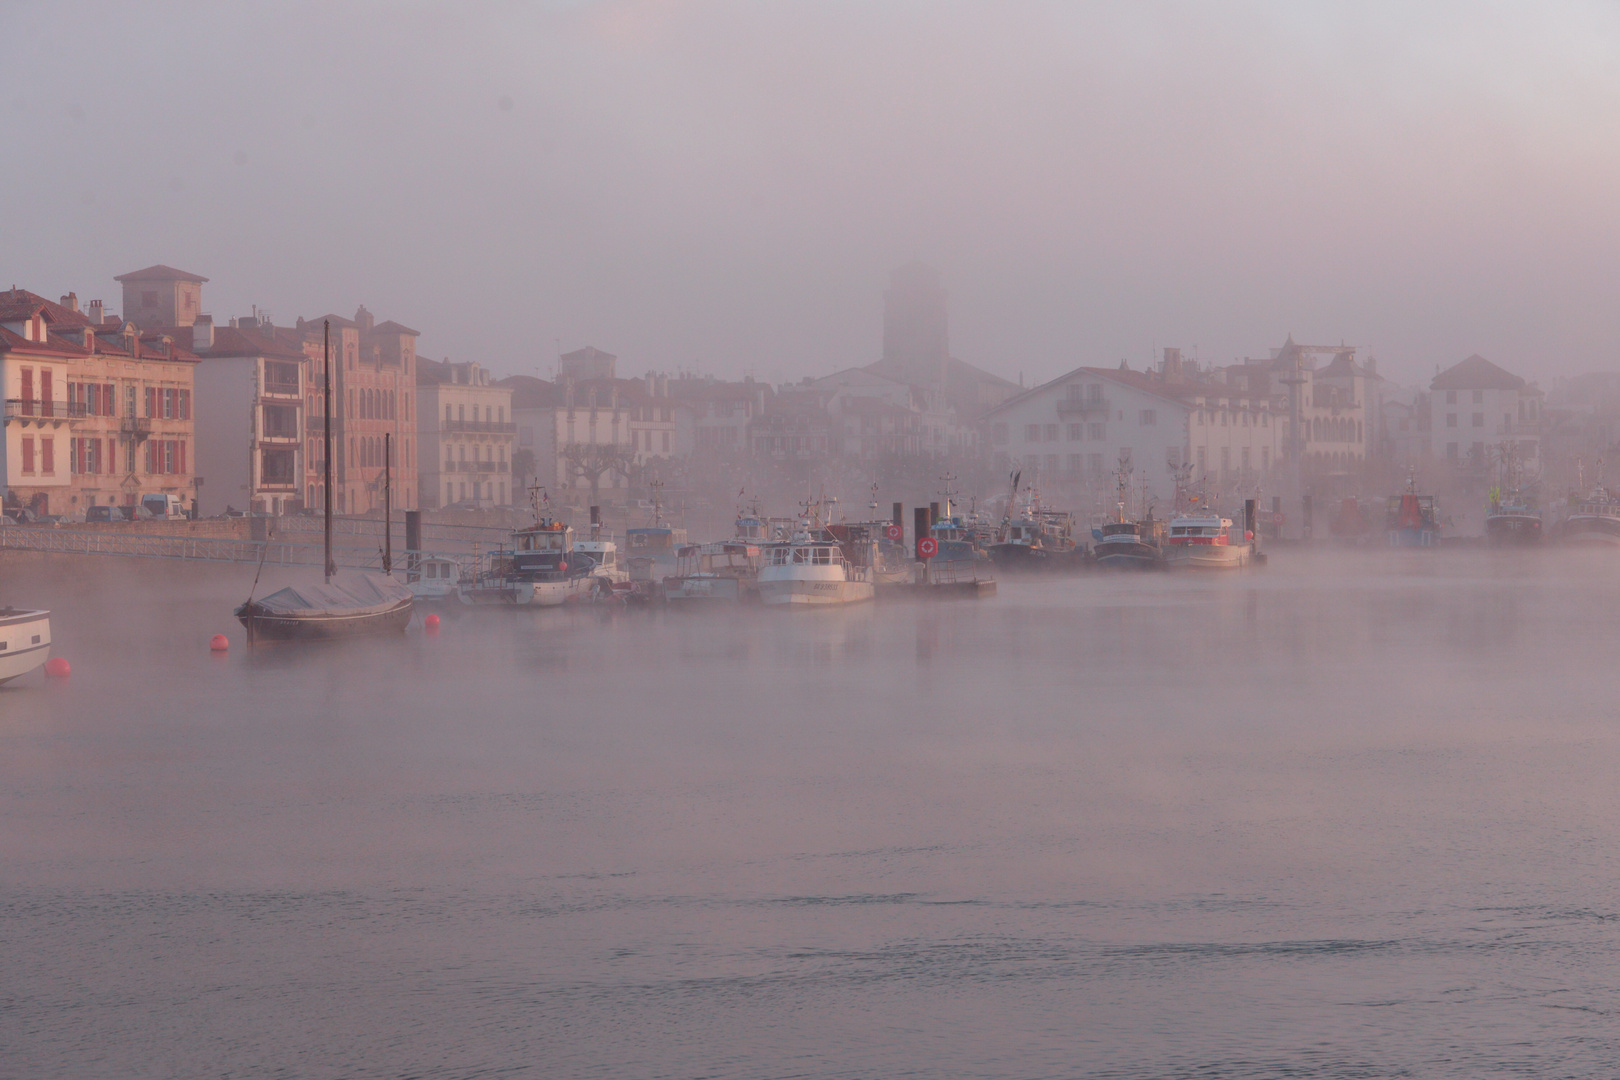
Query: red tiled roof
[(392, 327), (20, 304), (235, 341), (51, 346), (159, 272)]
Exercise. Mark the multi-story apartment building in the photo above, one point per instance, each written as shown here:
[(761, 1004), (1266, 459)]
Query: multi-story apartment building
[(467, 436), (124, 399), (1091, 422), (373, 394), (1478, 410), (712, 417), (251, 427), (38, 420)]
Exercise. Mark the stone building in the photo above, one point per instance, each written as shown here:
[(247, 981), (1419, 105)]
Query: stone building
[(251, 426), (467, 436), (1477, 411)]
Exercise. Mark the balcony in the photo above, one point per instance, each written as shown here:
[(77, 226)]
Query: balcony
[(25, 411), (282, 389), (1079, 407), (483, 427), (138, 427)]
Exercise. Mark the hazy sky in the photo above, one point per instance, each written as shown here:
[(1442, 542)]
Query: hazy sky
[(727, 187)]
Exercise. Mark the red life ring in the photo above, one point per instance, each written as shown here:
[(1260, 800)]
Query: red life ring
[(927, 547), (892, 532)]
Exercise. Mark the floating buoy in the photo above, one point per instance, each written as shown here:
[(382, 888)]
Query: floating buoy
[(219, 643), (58, 668), (430, 623)]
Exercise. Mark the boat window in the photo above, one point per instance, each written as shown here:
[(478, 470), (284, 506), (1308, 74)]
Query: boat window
[(801, 555), (779, 557), (823, 556)]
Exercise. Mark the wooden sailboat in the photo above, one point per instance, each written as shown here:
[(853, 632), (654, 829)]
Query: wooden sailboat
[(353, 605)]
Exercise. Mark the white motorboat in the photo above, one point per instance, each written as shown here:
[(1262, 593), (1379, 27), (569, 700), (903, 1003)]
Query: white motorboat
[(722, 571), (810, 569), (25, 641), (433, 578), (604, 555), (1204, 541)]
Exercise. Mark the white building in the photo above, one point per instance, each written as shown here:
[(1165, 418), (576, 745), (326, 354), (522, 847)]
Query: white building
[(250, 419), (466, 432), (1477, 410), (1092, 421)]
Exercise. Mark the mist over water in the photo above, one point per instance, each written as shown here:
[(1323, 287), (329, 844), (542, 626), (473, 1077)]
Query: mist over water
[(1353, 815)]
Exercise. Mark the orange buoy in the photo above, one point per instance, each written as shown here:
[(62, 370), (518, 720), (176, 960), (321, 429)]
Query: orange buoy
[(219, 643), (430, 622), (58, 667)]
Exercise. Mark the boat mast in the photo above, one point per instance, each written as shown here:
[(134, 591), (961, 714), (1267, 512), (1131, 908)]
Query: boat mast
[(326, 408), (388, 503)]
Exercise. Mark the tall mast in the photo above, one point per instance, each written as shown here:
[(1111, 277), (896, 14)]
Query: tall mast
[(326, 407), (388, 502)]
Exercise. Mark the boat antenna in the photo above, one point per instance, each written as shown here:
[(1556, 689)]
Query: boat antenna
[(388, 503), (326, 424)]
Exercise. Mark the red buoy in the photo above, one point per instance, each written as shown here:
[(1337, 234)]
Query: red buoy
[(58, 668), (430, 622), (219, 643)]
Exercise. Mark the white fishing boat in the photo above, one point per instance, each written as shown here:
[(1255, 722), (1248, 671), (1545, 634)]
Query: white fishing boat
[(25, 641), (1204, 540), (810, 569), (1594, 519), (539, 570), (604, 557), (726, 571), (433, 579)]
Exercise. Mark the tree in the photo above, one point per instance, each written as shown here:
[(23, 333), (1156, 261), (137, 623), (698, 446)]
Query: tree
[(594, 460)]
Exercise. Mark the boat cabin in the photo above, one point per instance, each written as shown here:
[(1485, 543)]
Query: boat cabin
[(659, 543), (1201, 529)]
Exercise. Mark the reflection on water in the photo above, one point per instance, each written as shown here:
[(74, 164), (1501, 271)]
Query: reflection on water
[(1348, 816)]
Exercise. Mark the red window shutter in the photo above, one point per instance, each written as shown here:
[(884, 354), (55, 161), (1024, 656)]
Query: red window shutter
[(108, 401), (28, 391), (149, 457), (151, 401), (182, 445), (47, 447), (46, 402), (28, 453), (185, 404)]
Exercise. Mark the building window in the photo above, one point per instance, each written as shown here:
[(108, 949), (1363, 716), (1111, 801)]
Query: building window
[(1096, 462), (28, 455), (1451, 397), (1076, 431), (1451, 419), (1075, 459), (1479, 397), (1147, 418), (1051, 433), (1096, 432), (1032, 433), (1245, 453), (1479, 419), (1073, 391), (1094, 393)]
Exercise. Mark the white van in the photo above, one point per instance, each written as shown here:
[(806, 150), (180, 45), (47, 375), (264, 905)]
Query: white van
[(163, 506)]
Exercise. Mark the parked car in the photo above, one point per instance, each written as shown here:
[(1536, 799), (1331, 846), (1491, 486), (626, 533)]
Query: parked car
[(102, 513), (163, 506)]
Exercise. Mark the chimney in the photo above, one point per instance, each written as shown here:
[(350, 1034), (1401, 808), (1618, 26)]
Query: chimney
[(95, 313), (202, 333), (71, 301)]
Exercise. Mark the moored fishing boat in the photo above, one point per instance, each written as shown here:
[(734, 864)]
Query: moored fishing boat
[(1511, 521), (1594, 519), (1410, 519), (1126, 545), (810, 570), (433, 578), (538, 570), (25, 641), (1204, 540)]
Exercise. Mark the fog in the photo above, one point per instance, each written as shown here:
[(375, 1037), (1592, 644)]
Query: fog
[(1353, 816), (724, 188)]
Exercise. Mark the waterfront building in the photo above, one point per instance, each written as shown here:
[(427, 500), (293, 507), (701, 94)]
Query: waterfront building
[(1477, 411), (251, 418), (100, 411), (373, 394), (1085, 425), (467, 436)]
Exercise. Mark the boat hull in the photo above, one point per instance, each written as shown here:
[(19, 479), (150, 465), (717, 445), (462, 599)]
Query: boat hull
[(703, 590), (811, 592), (1602, 531), (1128, 555), (1507, 530), (268, 626), (1413, 538), (1207, 556), (22, 653)]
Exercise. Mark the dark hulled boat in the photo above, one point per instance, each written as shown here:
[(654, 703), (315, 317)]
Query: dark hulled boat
[(361, 604), (1511, 521)]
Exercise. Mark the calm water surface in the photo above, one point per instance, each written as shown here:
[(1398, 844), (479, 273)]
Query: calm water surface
[(1350, 816)]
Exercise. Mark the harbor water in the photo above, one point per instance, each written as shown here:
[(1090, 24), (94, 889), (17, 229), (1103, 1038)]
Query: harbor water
[(1351, 815)]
